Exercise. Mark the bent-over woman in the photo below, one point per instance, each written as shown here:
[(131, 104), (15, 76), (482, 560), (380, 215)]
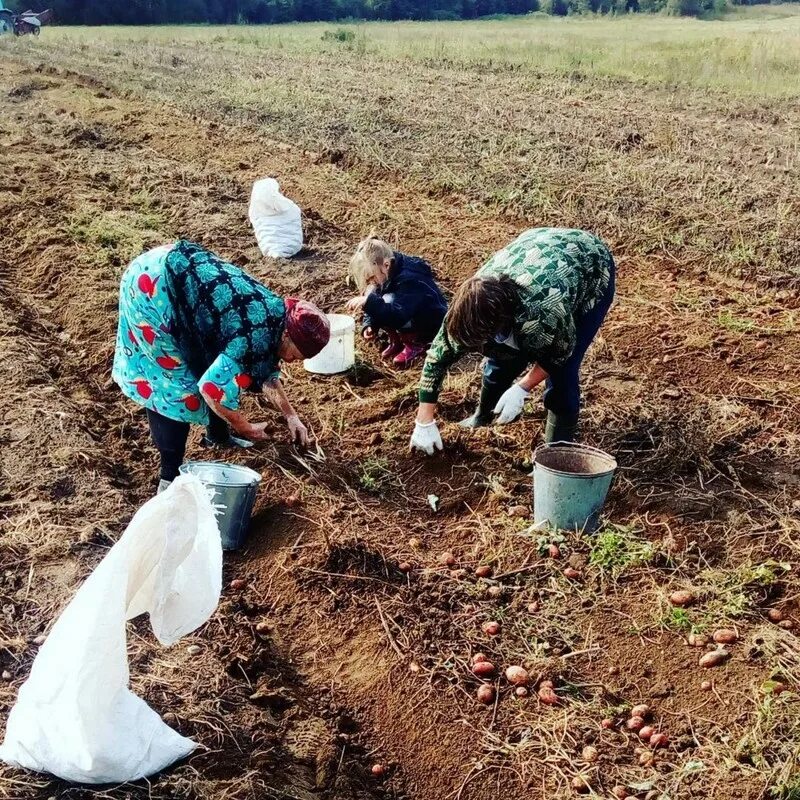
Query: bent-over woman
[(194, 333), (533, 309)]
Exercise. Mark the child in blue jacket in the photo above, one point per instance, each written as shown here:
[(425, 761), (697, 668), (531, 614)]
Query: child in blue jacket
[(398, 296)]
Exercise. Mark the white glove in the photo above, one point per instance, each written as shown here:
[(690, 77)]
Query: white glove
[(426, 438), (510, 405)]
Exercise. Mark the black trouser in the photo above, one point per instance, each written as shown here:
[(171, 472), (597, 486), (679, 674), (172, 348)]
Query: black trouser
[(169, 436), (562, 394)]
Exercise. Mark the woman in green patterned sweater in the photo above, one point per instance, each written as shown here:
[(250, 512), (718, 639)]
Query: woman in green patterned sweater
[(534, 307)]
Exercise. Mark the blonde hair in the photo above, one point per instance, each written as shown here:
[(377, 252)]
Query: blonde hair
[(369, 255)]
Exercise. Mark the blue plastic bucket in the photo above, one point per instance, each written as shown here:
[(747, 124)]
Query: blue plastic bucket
[(235, 490), (570, 484)]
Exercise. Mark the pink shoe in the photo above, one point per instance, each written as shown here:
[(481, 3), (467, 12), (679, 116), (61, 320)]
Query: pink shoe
[(412, 350), (395, 346)]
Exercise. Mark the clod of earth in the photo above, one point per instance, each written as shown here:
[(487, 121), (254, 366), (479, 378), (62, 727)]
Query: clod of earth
[(495, 592), (645, 759), (725, 636), (405, 566), (448, 559), (619, 792), (697, 640), (39, 639), (714, 658), (533, 608), (681, 598), (521, 691), (292, 500), (414, 543), (706, 686), (194, 649), (553, 551), (519, 511), (6, 676), (786, 624), (263, 628)]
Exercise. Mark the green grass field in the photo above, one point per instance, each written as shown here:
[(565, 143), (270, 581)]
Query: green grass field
[(752, 51)]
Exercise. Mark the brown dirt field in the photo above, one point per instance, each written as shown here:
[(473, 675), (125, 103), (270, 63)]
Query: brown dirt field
[(364, 663)]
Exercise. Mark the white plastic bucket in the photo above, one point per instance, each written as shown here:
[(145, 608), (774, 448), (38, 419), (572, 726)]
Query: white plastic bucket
[(340, 352)]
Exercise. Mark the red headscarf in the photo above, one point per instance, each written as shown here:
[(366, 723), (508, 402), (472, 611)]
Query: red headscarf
[(307, 326)]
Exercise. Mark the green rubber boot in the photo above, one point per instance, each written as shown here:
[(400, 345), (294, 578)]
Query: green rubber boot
[(560, 427)]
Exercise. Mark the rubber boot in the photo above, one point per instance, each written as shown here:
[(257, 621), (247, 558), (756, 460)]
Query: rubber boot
[(412, 350), (162, 485), (218, 434), (395, 346), (560, 427), (484, 413)]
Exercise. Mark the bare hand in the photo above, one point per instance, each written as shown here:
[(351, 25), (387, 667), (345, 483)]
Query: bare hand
[(297, 430), (255, 432), (356, 304), (368, 334)]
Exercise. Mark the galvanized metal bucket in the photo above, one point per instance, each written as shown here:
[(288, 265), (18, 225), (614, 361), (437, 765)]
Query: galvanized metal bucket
[(235, 490), (570, 484)]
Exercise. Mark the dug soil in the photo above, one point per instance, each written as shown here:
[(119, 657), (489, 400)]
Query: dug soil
[(361, 685)]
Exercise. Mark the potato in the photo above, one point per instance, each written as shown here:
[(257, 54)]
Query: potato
[(607, 724), (641, 710), (263, 628), (646, 731), (485, 694), (580, 783), (378, 770), (634, 724), (706, 686), (620, 792), (714, 658), (533, 607), (448, 559), (405, 566), (483, 669), (659, 740), (519, 511), (483, 571), (553, 551), (547, 696), (521, 691), (478, 657), (572, 574), (697, 640), (414, 543), (681, 598), (775, 615), (786, 624), (590, 754), (725, 636), (491, 628), (517, 676), (494, 592), (194, 649), (237, 584)]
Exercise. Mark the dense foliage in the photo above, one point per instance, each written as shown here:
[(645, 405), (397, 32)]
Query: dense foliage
[(149, 12)]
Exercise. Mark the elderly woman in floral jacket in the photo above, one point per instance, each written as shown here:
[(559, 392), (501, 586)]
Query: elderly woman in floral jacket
[(533, 309), (194, 333)]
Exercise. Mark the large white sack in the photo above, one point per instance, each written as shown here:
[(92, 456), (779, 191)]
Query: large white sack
[(75, 716), (275, 220)]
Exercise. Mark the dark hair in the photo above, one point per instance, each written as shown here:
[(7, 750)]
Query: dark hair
[(482, 308)]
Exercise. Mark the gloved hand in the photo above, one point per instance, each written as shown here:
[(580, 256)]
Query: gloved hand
[(510, 405), (426, 438)]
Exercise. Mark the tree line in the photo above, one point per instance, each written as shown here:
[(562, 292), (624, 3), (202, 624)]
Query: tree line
[(159, 12)]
